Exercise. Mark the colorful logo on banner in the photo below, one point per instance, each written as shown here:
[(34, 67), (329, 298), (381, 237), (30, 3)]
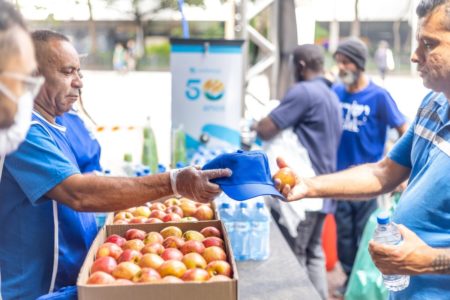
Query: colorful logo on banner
[(213, 89)]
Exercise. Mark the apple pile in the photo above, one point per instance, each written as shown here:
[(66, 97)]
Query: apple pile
[(171, 210), (168, 256)]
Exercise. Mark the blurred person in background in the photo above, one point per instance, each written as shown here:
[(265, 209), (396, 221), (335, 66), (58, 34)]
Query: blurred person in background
[(423, 155), (312, 110), (384, 59), (45, 213), (368, 112)]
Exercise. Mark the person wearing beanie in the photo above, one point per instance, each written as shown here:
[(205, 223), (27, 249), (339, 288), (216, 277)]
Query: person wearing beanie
[(312, 111), (368, 110)]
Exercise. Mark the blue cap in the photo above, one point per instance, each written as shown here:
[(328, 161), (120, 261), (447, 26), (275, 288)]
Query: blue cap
[(251, 175), (383, 218)]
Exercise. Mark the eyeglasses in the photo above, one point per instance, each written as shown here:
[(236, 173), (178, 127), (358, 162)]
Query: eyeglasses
[(31, 84)]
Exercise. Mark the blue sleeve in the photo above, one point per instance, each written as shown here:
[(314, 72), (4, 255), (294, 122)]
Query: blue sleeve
[(401, 152), (38, 165), (292, 108), (390, 113)]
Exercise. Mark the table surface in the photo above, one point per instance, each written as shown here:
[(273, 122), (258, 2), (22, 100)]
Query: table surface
[(280, 277)]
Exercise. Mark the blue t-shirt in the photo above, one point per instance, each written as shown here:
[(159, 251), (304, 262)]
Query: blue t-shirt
[(367, 115), (313, 110), (34, 226), (425, 204), (82, 141)]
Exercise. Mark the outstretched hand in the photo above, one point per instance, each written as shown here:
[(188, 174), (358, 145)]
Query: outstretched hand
[(292, 193), (195, 184)]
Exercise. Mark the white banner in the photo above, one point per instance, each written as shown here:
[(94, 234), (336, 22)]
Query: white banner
[(207, 87)]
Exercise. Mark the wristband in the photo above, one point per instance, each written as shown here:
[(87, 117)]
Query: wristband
[(173, 181)]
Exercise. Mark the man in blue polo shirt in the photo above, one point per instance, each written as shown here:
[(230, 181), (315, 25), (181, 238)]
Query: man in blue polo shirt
[(312, 110), (423, 155), (46, 229), (368, 111)]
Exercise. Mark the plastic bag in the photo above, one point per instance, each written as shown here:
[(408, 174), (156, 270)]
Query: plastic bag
[(366, 281)]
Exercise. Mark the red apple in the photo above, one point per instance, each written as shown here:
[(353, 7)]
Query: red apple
[(151, 260), (214, 253), (192, 246), (130, 255), (174, 209), (123, 215), (193, 235), (142, 211), (157, 206), (172, 267), (211, 231), (172, 254), (138, 220), (172, 217), (286, 177), (134, 233), (155, 248), (194, 260), (172, 202), (126, 270), (219, 267), (204, 212), (105, 264), (116, 239), (171, 231), (153, 221), (213, 241), (197, 275), (100, 277), (153, 237), (157, 214), (173, 242), (148, 275), (135, 244), (219, 278), (109, 249), (171, 279)]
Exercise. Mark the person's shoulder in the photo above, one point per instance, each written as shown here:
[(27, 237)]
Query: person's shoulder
[(433, 98)]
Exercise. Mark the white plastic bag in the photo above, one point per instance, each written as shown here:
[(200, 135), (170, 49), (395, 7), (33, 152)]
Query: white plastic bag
[(287, 145)]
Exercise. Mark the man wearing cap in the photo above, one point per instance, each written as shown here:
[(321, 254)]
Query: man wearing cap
[(422, 155), (47, 227), (368, 111), (313, 112)]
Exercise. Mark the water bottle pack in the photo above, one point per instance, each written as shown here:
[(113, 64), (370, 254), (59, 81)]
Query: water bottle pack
[(248, 228), (388, 233)]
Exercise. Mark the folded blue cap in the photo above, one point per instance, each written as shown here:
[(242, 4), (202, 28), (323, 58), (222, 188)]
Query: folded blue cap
[(251, 175)]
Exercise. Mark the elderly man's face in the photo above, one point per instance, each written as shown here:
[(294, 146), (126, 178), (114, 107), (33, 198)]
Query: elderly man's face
[(62, 78), (21, 63), (433, 52), (348, 71)]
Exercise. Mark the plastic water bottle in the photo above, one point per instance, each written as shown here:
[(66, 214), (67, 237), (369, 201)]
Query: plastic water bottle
[(178, 146), (127, 167), (241, 235), (226, 215), (388, 233), (149, 149), (260, 233)]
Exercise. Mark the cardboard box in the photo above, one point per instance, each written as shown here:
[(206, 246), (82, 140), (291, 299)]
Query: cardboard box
[(225, 290)]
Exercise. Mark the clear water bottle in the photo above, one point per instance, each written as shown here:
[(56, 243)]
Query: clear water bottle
[(241, 234), (388, 233), (127, 167), (149, 149), (260, 233), (226, 215)]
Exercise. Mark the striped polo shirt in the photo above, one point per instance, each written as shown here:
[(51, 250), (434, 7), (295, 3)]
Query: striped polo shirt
[(425, 205)]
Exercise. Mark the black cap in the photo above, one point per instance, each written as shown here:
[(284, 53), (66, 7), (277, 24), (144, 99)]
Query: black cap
[(355, 50)]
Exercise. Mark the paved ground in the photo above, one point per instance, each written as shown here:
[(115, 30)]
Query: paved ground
[(126, 100)]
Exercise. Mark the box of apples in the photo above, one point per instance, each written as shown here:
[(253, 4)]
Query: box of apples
[(160, 261), (169, 210)]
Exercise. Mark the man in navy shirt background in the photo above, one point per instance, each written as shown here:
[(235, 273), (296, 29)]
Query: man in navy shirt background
[(368, 111), (312, 110)]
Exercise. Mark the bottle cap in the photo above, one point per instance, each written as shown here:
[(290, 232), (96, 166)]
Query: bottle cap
[(260, 205), (243, 204), (128, 157), (383, 218), (107, 172), (225, 205)]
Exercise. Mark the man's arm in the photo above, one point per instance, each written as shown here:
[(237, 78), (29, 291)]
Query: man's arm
[(402, 129), (266, 128), (410, 257), (96, 193), (361, 182)]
